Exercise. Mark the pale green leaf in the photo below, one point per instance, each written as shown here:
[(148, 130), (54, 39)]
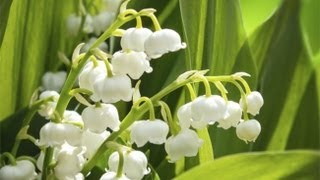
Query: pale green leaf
[(264, 165)]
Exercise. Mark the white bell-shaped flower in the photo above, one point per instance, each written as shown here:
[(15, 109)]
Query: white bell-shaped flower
[(110, 175), (254, 102), (208, 109), (232, 116), (92, 141), (132, 63), (184, 116), (103, 46), (73, 24), (69, 162), (98, 119), (112, 89), (91, 73), (134, 39), (55, 134), (248, 130), (134, 166), (23, 170), (161, 42), (53, 80), (102, 21), (153, 131), (185, 143), (47, 109), (88, 24)]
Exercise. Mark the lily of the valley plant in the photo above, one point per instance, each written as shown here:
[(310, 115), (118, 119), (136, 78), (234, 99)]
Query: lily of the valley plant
[(72, 141)]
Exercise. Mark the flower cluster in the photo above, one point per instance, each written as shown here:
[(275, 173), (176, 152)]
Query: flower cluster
[(70, 142)]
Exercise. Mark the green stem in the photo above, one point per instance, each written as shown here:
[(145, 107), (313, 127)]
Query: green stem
[(139, 22), (191, 92), (174, 129), (27, 158), (155, 22), (80, 90), (244, 83), (150, 106), (28, 118), (120, 165), (47, 160), (10, 157)]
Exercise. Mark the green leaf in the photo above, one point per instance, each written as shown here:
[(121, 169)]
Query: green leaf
[(30, 47), (265, 165), (255, 13), (285, 69), (4, 13), (310, 24)]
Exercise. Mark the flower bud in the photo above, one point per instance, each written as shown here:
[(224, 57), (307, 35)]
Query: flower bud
[(208, 110), (134, 166), (54, 80), (134, 39), (90, 74), (154, 131), (161, 42), (98, 119), (113, 176), (185, 143), (112, 89), (92, 141), (132, 63), (47, 109), (248, 130), (72, 116), (23, 170), (254, 102), (232, 116)]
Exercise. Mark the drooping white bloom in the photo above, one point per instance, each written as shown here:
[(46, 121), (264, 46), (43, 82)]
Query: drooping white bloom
[(69, 162), (53, 80), (92, 141), (254, 102), (87, 26), (185, 143), (24, 170), (232, 116), (207, 110), (98, 119), (110, 175), (74, 23), (134, 166), (91, 73), (248, 130), (134, 39), (132, 63), (153, 131), (47, 109), (102, 21), (112, 89), (184, 116), (161, 42), (56, 134), (103, 46)]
